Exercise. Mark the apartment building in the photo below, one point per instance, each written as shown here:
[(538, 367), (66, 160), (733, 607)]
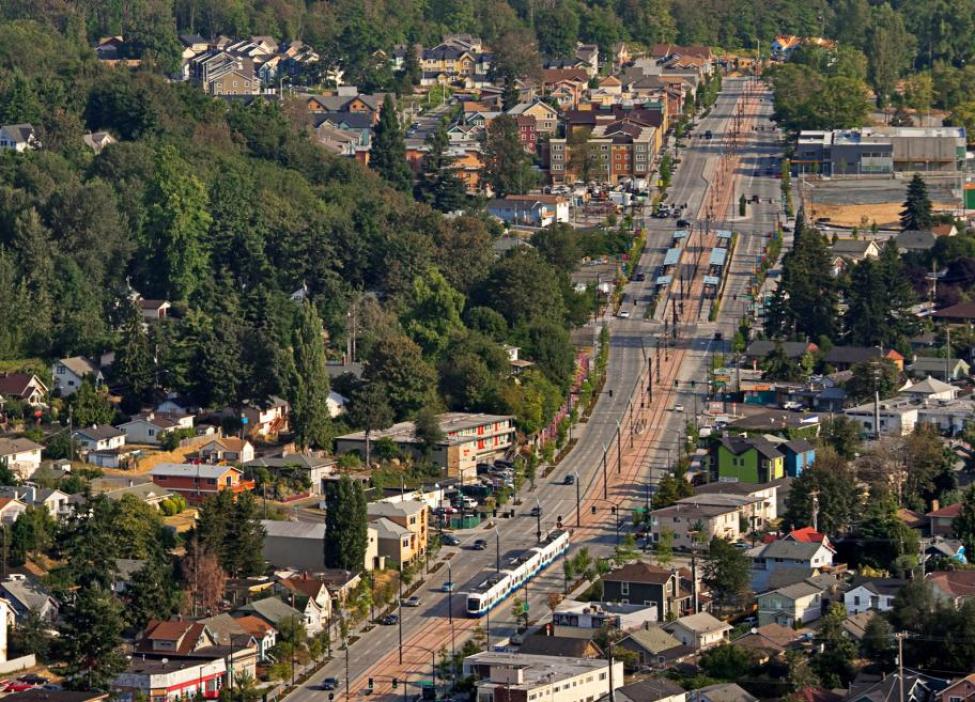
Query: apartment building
[(695, 523), (619, 149)]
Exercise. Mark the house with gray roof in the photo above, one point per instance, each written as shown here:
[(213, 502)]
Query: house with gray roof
[(26, 596), (274, 611), (69, 373), (700, 631), (649, 690), (786, 556), (943, 369), (724, 692), (791, 606), (655, 647), (18, 137)]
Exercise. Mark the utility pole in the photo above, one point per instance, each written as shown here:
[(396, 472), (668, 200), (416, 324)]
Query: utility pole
[(815, 510), (605, 477), (900, 636)]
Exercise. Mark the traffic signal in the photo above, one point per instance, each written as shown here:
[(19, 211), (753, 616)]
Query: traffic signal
[(613, 509), (593, 508), (370, 685), (395, 683), (331, 696), (558, 521), (676, 383)]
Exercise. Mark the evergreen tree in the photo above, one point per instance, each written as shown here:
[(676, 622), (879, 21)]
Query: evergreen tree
[(230, 528), (807, 303), (438, 184), (509, 95), (153, 592), (427, 431), (834, 662), (18, 101), (879, 300), (726, 570), (507, 167), (178, 222), (917, 207), (396, 363), (388, 153), (309, 387), (133, 361), (412, 70), (345, 524), (90, 637), (369, 409)]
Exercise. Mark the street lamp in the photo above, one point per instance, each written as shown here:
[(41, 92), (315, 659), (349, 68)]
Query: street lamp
[(578, 501), (538, 520), (450, 607)]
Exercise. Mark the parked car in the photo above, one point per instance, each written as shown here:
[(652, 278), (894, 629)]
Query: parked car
[(33, 679), (679, 408), (683, 223), (569, 480), (412, 601), (448, 586), (536, 511), (330, 684), (389, 619), (623, 314), (479, 545), (449, 540)]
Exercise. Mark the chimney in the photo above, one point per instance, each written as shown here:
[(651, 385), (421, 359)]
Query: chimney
[(935, 505)]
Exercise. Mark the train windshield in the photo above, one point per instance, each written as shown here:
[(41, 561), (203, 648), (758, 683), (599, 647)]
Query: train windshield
[(473, 604)]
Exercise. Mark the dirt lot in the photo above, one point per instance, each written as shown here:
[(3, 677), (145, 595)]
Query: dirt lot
[(885, 215)]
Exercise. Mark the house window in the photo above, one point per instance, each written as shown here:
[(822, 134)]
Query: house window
[(625, 588)]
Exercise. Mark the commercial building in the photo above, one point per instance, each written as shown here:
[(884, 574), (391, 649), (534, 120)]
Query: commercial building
[(469, 439), (530, 210), (880, 150), (301, 545), (515, 677)]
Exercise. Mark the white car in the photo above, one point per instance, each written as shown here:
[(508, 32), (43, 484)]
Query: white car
[(623, 314), (679, 408)]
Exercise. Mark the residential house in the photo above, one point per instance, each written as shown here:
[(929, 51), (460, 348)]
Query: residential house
[(916, 688), (700, 631), (915, 241), (98, 141), (307, 585), (147, 491), (655, 647), (845, 357), (758, 504), (274, 611), (897, 417), (960, 313), (793, 350), (125, 570), (69, 372), (650, 690), (846, 252), (469, 439), (229, 449), (855, 625), (546, 116), (872, 593), (540, 644), (154, 310), (312, 466), (768, 639), (220, 72), (799, 455), (248, 631), (565, 85), (746, 459), (196, 482), (930, 388), (150, 427), (683, 520), (265, 420), (350, 143), (527, 133), (943, 369), (23, 387), (960, 690), (784, 560), (57, 503), (10, 509), (173, 637), (18, 137), (777, 422), (26, 596), (941, 520), (573, 618), (347, 101), (21, 455), (791, 606), (723, 692), (938, 549), (530, 210), (648, 585), (505, 677), (952, 586), (99, 438)]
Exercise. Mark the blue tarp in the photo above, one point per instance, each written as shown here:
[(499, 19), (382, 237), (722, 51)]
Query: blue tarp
[(673, 257), (718, 257)]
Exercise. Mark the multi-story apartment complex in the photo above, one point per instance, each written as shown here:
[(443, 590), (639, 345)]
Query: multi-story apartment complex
[(612, 151), (517, 677)]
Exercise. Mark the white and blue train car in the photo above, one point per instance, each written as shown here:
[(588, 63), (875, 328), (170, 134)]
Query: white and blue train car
[(490, 588)]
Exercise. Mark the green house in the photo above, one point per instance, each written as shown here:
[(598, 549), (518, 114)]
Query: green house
[(746, 460)]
